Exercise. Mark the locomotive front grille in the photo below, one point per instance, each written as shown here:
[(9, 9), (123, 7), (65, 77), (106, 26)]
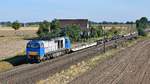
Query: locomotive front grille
[(33, 57)]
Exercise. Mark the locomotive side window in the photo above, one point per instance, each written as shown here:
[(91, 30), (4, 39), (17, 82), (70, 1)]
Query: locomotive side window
[(58, 44), (61, 43)]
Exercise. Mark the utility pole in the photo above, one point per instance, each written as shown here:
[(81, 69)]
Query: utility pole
[(116, 36), (104, 39)]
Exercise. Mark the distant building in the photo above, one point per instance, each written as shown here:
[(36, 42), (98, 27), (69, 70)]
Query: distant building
[(82, 23)]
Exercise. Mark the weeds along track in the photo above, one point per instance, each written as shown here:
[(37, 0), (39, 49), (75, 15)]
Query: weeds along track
[(31, 73)]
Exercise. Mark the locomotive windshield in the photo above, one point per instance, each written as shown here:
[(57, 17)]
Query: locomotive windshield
[(33, 45)]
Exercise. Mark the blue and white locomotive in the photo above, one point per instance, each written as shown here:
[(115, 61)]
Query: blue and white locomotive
[(38, 50)]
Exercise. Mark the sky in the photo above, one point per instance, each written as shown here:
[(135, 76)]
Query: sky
[(94, 10)]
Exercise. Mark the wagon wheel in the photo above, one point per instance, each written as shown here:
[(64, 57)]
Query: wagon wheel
[(51, 56)]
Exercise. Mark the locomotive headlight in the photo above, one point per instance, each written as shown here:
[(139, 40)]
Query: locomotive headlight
[(33, 53)]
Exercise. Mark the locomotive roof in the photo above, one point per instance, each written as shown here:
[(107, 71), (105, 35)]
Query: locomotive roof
[(50, 39)]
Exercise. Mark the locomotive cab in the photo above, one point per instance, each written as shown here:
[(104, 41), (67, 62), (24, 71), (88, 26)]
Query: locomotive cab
[(39, 50), (34, 50)]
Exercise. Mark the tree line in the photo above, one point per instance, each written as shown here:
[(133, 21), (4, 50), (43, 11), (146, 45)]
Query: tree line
[(48, 30), (52, 29), (28, 24)]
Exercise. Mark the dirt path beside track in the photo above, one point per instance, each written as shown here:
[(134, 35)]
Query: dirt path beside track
[(131, 66)]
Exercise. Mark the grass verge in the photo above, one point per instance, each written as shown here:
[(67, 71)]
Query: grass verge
[(4, 66)]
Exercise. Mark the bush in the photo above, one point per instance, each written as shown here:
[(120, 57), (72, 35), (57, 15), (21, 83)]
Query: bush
[(16, 25), (141, 25)]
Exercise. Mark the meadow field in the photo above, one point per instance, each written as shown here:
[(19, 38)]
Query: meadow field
[(24, 31), (13, 42)]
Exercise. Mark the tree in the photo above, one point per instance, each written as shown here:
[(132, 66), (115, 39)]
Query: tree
[(141, 32), (85, 34), (93, 32), (44, 29), (72, 31), (141, 25), (144, 22), (55, 30), (49, 30), (99, 31), (96, 32), (16, 25), (55, 24)]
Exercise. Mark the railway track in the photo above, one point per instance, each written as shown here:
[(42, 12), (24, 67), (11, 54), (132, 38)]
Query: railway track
[(31, 73)]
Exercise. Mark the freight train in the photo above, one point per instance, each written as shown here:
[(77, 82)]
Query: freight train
[(40, 50)]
